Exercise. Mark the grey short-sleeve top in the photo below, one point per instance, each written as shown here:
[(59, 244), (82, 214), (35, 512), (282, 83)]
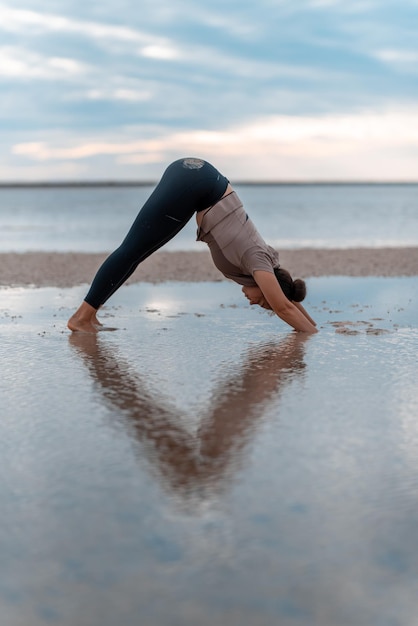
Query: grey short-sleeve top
[(237, 249)]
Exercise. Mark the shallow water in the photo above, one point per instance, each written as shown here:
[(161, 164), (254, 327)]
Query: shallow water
[(205, 465)]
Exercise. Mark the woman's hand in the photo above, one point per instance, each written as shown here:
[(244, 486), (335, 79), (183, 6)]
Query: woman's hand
[(272, 295)]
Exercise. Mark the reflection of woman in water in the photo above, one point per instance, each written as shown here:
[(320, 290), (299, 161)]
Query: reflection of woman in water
[(190, 186), (188, 462)]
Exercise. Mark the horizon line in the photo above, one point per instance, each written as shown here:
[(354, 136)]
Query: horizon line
[(148, 183)]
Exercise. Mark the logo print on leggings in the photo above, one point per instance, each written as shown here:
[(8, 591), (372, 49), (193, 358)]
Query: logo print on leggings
[(193, 164)]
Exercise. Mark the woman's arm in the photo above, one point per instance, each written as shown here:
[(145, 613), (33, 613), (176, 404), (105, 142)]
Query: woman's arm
[(286, 310), (303, 310)]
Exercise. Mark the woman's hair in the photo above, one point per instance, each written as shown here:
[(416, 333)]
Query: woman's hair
[(293, 289)]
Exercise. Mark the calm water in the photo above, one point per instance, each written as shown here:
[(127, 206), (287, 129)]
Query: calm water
[(202, 465), (96, 219)]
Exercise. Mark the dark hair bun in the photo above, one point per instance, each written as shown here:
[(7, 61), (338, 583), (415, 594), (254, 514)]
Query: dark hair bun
[(294, 290), (299, 290)]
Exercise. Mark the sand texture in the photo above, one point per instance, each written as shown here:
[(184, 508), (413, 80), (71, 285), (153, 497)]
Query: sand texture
[(43, 269)]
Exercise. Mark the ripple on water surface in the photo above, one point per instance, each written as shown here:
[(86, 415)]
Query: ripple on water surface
[(204, 465)]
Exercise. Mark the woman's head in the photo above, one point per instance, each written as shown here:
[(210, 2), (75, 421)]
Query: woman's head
[(294, 290)]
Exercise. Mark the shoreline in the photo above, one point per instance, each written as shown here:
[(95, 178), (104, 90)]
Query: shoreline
[(62, 184), (69, 269)]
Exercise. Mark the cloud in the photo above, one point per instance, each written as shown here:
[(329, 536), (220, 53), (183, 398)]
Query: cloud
[(123, 94), (33, 23), (103, 88), (368, 145), (241, 26), (404, 60), (323, 133), (164, 52), (200, 58), (20, 63), (355, 6)]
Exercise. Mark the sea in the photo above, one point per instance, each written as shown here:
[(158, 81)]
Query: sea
[(94, 218)]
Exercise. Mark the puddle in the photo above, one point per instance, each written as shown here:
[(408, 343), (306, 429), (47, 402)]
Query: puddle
[(203, 464)]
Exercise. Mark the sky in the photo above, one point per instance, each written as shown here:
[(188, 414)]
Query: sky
[(273, 90)]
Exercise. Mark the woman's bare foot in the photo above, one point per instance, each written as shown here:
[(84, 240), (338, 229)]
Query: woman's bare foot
[(76, 325), (84, 320), (95, 321)]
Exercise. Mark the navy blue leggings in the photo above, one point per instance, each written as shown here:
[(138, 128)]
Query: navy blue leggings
[(188, 185)]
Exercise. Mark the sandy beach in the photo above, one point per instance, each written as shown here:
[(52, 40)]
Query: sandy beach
[(44, 269)]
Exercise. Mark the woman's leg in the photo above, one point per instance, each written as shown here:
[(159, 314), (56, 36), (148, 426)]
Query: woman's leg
[(187, 186)]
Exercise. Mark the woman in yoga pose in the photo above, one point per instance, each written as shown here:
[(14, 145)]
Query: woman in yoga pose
[(192, 186)]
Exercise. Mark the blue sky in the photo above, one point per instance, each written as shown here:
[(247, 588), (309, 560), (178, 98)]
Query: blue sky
[(266, 90)]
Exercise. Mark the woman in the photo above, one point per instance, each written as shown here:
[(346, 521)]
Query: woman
[(191, 186)]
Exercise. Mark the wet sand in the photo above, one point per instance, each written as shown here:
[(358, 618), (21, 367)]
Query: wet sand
[(42, 269), (205, 465)]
